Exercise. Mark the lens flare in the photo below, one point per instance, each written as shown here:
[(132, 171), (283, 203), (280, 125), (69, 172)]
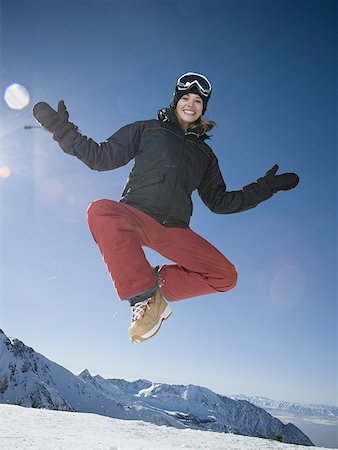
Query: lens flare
[(16, 96), (5, 172), (288, 286)]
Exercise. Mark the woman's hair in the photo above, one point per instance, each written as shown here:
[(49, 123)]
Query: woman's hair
[(206, 125)]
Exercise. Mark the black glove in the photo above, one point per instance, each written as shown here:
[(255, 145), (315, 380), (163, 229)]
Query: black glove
[(282, 182), (48, 117)]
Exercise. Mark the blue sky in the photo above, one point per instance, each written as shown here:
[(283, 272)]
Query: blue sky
[(273, 68)]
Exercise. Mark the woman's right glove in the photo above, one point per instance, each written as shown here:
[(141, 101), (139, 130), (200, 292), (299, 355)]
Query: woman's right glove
[(282, 182), (48, 117)]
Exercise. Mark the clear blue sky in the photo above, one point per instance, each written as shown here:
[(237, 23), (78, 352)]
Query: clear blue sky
[(273, 67)]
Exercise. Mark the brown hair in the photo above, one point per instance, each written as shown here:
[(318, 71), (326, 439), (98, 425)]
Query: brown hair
[(206, 125)]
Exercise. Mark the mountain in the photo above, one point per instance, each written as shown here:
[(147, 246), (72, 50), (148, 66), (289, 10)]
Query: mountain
[(283, 408), (27, 378), (198, 407)]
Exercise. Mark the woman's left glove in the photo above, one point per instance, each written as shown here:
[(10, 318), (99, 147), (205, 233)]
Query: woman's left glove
[(282, 182), (48, 117)]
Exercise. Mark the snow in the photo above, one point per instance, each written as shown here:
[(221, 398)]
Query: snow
[(327, 412), (40, 429), (29, 379)]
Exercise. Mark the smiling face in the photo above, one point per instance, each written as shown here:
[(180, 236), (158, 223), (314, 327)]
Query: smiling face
[(189, 108)]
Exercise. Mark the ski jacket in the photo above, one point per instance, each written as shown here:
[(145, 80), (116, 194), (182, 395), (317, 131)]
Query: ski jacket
[(169, 164)]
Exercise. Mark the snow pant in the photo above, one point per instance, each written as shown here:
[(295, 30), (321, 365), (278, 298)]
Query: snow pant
[(120, 231)]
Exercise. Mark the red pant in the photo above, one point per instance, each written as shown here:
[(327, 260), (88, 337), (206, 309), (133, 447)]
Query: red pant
[(121, 231)]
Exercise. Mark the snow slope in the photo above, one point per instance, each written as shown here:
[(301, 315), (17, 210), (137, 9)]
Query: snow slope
[(29, 379), (37, 429)]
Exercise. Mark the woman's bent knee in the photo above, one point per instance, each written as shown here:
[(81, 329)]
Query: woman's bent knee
[(228, 280), (233, 277), (98, 207)]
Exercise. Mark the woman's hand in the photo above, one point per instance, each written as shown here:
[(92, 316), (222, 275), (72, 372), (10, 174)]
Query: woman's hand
[(48, 117), (282, 182)]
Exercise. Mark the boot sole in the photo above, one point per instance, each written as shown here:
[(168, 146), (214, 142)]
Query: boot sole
[(164, 316)]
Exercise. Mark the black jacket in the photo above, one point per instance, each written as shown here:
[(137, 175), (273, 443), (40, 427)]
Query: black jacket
[(169, 165)]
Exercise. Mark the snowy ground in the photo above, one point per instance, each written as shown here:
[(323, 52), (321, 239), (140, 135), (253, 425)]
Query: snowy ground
[(36, 429)]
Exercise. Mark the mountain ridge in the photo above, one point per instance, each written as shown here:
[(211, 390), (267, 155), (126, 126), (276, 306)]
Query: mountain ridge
[(28, 378), (307, 409)]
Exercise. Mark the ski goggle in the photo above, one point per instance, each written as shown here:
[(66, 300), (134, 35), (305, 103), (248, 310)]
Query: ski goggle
[(189, 79)]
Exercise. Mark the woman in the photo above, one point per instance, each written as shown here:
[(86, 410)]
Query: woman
[(171, 160)]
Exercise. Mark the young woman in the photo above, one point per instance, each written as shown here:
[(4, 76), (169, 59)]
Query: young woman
[(171, 160)]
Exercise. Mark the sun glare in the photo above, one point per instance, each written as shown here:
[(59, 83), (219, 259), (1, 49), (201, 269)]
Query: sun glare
[(5, 172), (16, 96)]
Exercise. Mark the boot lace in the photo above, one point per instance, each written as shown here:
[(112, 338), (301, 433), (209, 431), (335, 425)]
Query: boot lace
[(139, 309)]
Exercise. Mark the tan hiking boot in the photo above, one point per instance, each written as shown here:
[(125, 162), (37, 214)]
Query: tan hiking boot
[(147, 318)]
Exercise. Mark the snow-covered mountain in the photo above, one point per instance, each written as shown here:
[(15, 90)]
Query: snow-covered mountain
[(29, 379), (198, 407), (294, 409)]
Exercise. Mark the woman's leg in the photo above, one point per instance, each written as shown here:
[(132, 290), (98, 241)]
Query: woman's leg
[(121, 230), (120, 237), (201, 269)]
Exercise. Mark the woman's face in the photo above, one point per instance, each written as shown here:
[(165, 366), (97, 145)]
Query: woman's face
[(189, 108)]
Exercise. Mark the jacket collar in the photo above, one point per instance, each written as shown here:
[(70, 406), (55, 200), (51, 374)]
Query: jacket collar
[(168, 115)]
